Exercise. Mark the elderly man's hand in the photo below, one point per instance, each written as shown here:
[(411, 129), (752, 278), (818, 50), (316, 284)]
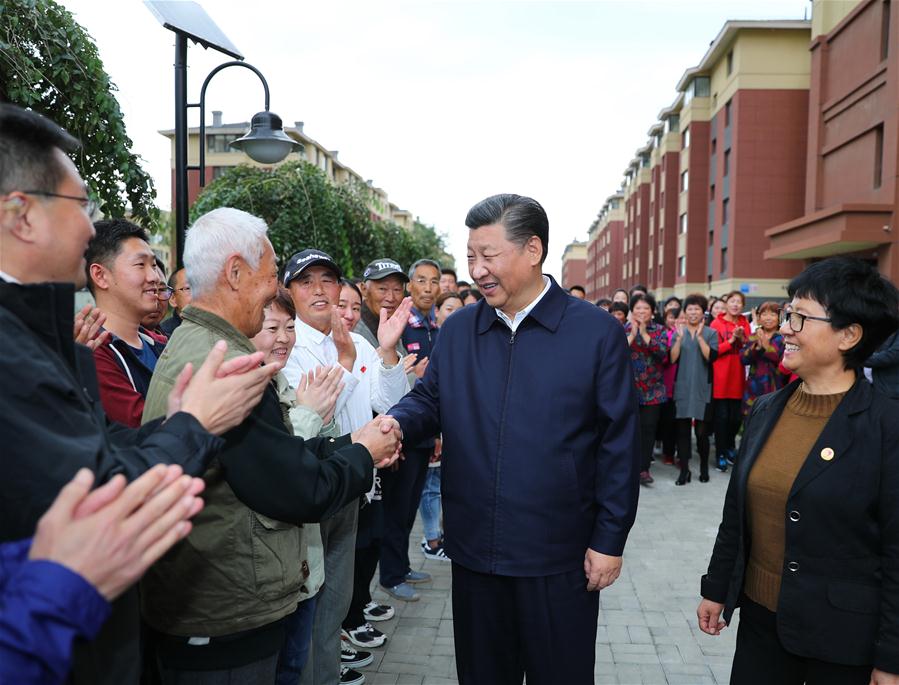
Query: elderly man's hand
[(221, 394), (346, 348), (390, 330), (382, 438), (600, 569)]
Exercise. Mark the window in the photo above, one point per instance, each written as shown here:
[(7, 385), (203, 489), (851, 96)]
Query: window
[(723, 260), (878, 156), (885, 30), (714, 145), (684, 180), (686, 138), (662, 200), (218, 143), (682, 266), (727, 114), (725, 211), (712, 192), (682, 223), (730, 62), (673, 123), (726, 162)]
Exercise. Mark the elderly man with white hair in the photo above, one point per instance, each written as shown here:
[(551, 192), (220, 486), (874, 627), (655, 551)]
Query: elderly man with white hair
[(218, 601)]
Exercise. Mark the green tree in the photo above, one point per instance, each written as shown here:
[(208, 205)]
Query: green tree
[(50, 64), (304, 209)]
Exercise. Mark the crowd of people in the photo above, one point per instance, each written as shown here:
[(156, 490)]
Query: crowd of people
[(205, 471)]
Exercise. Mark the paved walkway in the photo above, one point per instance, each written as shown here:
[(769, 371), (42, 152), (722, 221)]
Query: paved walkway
[(647, 624)]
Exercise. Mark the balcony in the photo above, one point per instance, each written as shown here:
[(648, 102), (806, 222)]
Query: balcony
[(840, 229)]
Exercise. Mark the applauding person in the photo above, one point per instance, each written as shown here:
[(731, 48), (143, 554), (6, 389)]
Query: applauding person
[(762, 354)]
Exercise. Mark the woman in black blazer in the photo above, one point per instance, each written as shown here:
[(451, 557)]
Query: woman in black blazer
[(808, 546)]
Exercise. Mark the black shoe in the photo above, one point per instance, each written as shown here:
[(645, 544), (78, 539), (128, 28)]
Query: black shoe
[(350, 677), (703, 477), (684, 477)]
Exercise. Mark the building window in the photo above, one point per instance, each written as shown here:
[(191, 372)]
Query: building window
[(714, 145), (682, 223), (682, 266), (725, 211), (712, 192), (730, 62), (723, 260), (885, 30), (727, 114), (662, 200), (218, 143), (684, 181), (686, 138), (878, 156), (726, 162)]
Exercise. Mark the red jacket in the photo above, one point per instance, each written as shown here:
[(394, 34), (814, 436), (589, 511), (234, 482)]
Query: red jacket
[(728, 371), (123, 380)]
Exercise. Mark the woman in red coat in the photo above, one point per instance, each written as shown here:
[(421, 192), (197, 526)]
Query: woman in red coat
[(729, 376)]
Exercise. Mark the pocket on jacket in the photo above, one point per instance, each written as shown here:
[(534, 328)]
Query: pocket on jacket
[(276, 556), (856, 597)]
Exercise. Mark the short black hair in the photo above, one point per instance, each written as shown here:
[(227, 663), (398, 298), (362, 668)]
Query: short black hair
[(174, 277), (459, 284), (621, 290), (27, 141), (672, 298), (619, 307), (852, 292), (643, 297), (522, 216), (578, 287), (696, 299), (603, 301), (346, 283), (476, 294), (639, 287), (105, 246), (446, 271)]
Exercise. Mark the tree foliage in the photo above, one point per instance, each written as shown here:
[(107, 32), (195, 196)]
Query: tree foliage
[(50, 64), (304, 209)]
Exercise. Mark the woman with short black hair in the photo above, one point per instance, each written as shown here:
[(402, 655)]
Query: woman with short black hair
[(808, 546)]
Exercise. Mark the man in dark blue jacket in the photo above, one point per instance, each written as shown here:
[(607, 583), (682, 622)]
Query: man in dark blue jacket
[(540, 464)]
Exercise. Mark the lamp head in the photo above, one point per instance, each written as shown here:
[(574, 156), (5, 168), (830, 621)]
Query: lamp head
[(266, 141)]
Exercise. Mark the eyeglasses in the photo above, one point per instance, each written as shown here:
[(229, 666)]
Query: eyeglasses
[(88, 204), (797, 320), (165, 293), (421, 280), (184, 289)]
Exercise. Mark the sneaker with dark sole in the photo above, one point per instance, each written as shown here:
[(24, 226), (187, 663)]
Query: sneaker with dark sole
[(365, 636), (378, 612), (354, 658), (403, 591), (436, 553), (418, 577), (350, 677)]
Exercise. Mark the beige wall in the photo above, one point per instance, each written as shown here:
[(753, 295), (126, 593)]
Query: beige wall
[(828, 13)]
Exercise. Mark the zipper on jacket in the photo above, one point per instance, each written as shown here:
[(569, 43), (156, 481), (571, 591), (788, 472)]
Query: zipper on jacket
[(496, 474)]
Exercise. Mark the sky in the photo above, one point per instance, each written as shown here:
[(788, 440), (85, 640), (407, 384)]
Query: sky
[(441, 104)]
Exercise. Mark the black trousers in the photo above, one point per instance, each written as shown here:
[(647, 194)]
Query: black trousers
[(701, 430), (666, 431), (401, 494), (505, 627), (728, 418), (364, 565), (761, 658), (649, 420)]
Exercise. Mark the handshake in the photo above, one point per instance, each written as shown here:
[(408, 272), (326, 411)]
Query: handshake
[(383, 438)]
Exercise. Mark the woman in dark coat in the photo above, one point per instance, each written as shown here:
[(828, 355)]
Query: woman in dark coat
[(808, 547)]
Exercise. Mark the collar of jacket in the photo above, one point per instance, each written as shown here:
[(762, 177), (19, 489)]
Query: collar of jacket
[(48, 309), (235, 339), (837, 433), (417, 319), (548, 312)]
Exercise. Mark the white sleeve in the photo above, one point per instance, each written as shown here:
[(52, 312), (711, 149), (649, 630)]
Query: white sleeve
[(387, 384), (294, 368), (349, 385)]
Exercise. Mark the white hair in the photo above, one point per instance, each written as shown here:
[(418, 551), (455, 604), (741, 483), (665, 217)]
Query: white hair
[(213, 238)]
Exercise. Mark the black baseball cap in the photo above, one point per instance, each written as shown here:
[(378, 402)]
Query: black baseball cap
[(303, 260), (382, 268)]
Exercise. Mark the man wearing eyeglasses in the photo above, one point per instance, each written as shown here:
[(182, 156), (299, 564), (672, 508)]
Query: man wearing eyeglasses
[(126, 285), (180, 299)]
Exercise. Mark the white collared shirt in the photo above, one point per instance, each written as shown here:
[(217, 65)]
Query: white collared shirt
[(371, 386), (9, 279), (513, 324)]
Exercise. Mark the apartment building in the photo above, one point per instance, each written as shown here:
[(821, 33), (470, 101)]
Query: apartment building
[(574, 264), (221, 156), (850, 201), (605, 249), (723, 164)]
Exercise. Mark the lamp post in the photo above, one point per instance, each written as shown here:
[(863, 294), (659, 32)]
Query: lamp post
[(265, 142)]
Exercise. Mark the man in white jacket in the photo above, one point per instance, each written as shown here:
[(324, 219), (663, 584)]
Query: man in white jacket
[(371, 383)]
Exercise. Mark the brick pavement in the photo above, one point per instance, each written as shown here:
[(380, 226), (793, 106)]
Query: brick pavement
[(647, 630)]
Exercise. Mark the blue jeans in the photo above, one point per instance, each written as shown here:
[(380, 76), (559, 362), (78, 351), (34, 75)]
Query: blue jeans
[(297, 640), (429, 508)]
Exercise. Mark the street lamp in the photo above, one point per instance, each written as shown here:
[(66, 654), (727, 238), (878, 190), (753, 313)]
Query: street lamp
[(265, 142)]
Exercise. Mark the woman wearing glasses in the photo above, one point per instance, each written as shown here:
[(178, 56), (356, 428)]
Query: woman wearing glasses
[(808, 547)]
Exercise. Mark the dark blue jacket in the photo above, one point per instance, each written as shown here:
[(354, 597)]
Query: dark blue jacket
[(43, 607), (540, 435)]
